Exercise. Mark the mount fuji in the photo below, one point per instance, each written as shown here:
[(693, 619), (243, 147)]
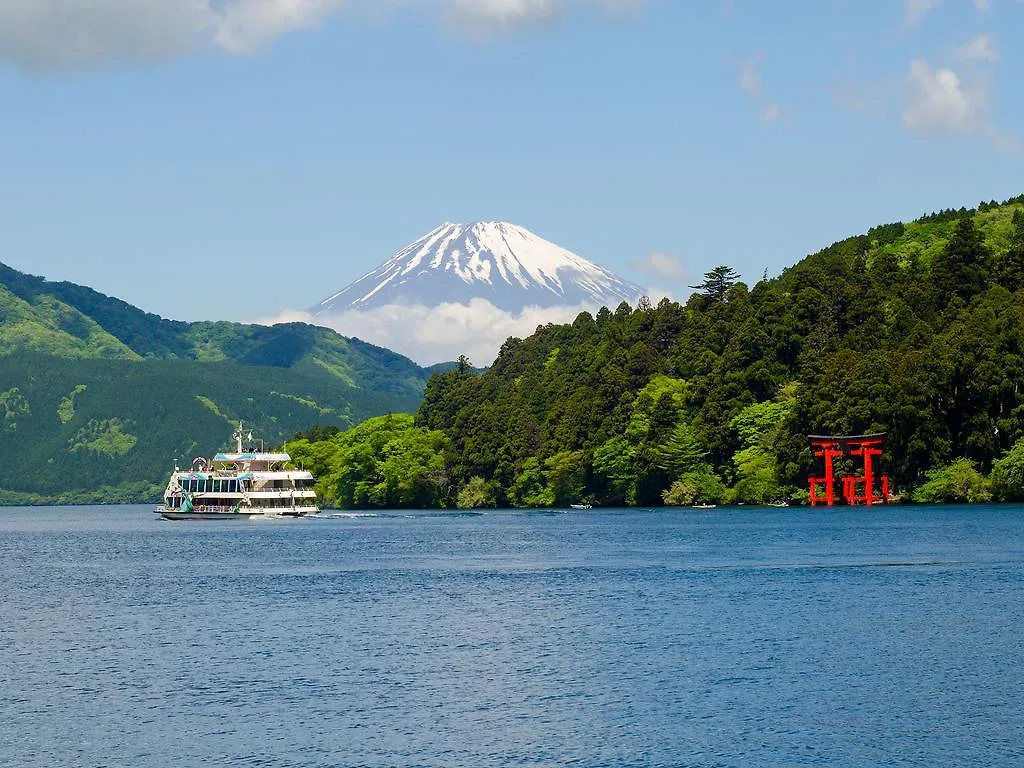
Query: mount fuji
[(507, 265)]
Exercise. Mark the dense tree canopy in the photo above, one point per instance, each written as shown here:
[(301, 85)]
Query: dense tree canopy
[(915, 330)]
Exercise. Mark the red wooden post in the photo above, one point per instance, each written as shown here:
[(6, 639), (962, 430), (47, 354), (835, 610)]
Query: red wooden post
[(829, 480), (869, 478)]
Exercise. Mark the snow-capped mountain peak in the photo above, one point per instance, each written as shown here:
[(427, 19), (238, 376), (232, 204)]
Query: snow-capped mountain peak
[(506, 264)]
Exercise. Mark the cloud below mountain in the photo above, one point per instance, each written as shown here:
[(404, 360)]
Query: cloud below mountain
[(436, 334)]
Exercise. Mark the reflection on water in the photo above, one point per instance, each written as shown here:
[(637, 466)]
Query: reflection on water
[(606, 637)]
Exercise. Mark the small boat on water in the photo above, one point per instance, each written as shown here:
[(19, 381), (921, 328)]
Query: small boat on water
[(581, 506), (243, 485), (705, 506), (779, 504)]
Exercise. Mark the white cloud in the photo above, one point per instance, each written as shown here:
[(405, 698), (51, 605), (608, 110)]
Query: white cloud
[(488, 17), (666, 266), (67, 34), (58, 34), (750, 83), (981, 48), (918, 9), (503, 13), (248, 24), (47, 35), (435, 334), (939, 103), (750, 78)]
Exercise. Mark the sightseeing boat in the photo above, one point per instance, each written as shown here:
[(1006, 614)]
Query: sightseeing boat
[(242, 485)]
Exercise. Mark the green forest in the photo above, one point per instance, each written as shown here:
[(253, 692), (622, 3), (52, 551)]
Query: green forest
[(915, 330), (97, 397)]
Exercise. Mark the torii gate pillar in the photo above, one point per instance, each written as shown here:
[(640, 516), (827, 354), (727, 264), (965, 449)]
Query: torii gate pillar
[(866, 447)]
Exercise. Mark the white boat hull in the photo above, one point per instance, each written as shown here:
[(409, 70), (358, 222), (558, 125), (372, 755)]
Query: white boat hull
[(179, 514)]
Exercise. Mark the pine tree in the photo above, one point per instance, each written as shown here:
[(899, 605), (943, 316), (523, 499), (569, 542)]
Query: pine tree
[(717, 283), (960, 269)]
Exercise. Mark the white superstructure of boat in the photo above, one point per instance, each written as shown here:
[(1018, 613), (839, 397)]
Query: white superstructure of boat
[(241, 485)]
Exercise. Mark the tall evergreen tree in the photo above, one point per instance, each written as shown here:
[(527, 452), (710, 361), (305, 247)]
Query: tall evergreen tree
[(960, 269), (1010, 270), (717, 283)]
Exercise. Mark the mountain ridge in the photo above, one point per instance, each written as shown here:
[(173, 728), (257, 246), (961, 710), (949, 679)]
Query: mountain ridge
[(501, 262), (98, 394)]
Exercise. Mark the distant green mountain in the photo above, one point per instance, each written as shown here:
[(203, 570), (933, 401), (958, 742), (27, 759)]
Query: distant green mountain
[(97, 396)]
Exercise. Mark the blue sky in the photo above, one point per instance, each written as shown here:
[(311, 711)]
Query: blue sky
[(235, 159)]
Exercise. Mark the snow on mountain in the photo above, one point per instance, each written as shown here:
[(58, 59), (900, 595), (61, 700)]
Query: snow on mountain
[(507, 265)]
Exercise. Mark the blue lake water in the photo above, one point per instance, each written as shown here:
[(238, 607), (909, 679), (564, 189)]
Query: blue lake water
[(729, 637)]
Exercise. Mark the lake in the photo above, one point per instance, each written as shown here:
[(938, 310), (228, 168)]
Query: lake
[(726, 637)]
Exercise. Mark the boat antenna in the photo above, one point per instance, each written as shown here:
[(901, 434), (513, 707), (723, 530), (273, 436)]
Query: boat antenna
[(238, 437)]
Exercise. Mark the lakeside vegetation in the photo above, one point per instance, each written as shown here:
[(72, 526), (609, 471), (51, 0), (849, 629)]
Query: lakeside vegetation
[(916, 330), (98, 397)]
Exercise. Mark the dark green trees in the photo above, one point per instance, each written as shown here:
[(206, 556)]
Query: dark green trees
[(717, 283), (1010, 267), (916, 330), (960, 270)]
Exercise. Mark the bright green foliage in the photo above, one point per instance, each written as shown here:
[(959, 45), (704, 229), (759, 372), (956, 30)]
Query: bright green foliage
[(756, 423), (1008, 474), (386, 461), (66, 409), (566, 475), (702, 487), (681, 452), (760, 429), (530, 488), (615, 463), (213, 407), (476, 493), (957, 482), (14, 406), (107, 437), (50, 326)]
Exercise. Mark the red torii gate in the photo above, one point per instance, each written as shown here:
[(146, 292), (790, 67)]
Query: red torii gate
[(856, 488)]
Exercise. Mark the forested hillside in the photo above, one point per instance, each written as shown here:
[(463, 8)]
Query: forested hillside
[(109, 429), (72, 321), (916, 330), (97, 397)]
